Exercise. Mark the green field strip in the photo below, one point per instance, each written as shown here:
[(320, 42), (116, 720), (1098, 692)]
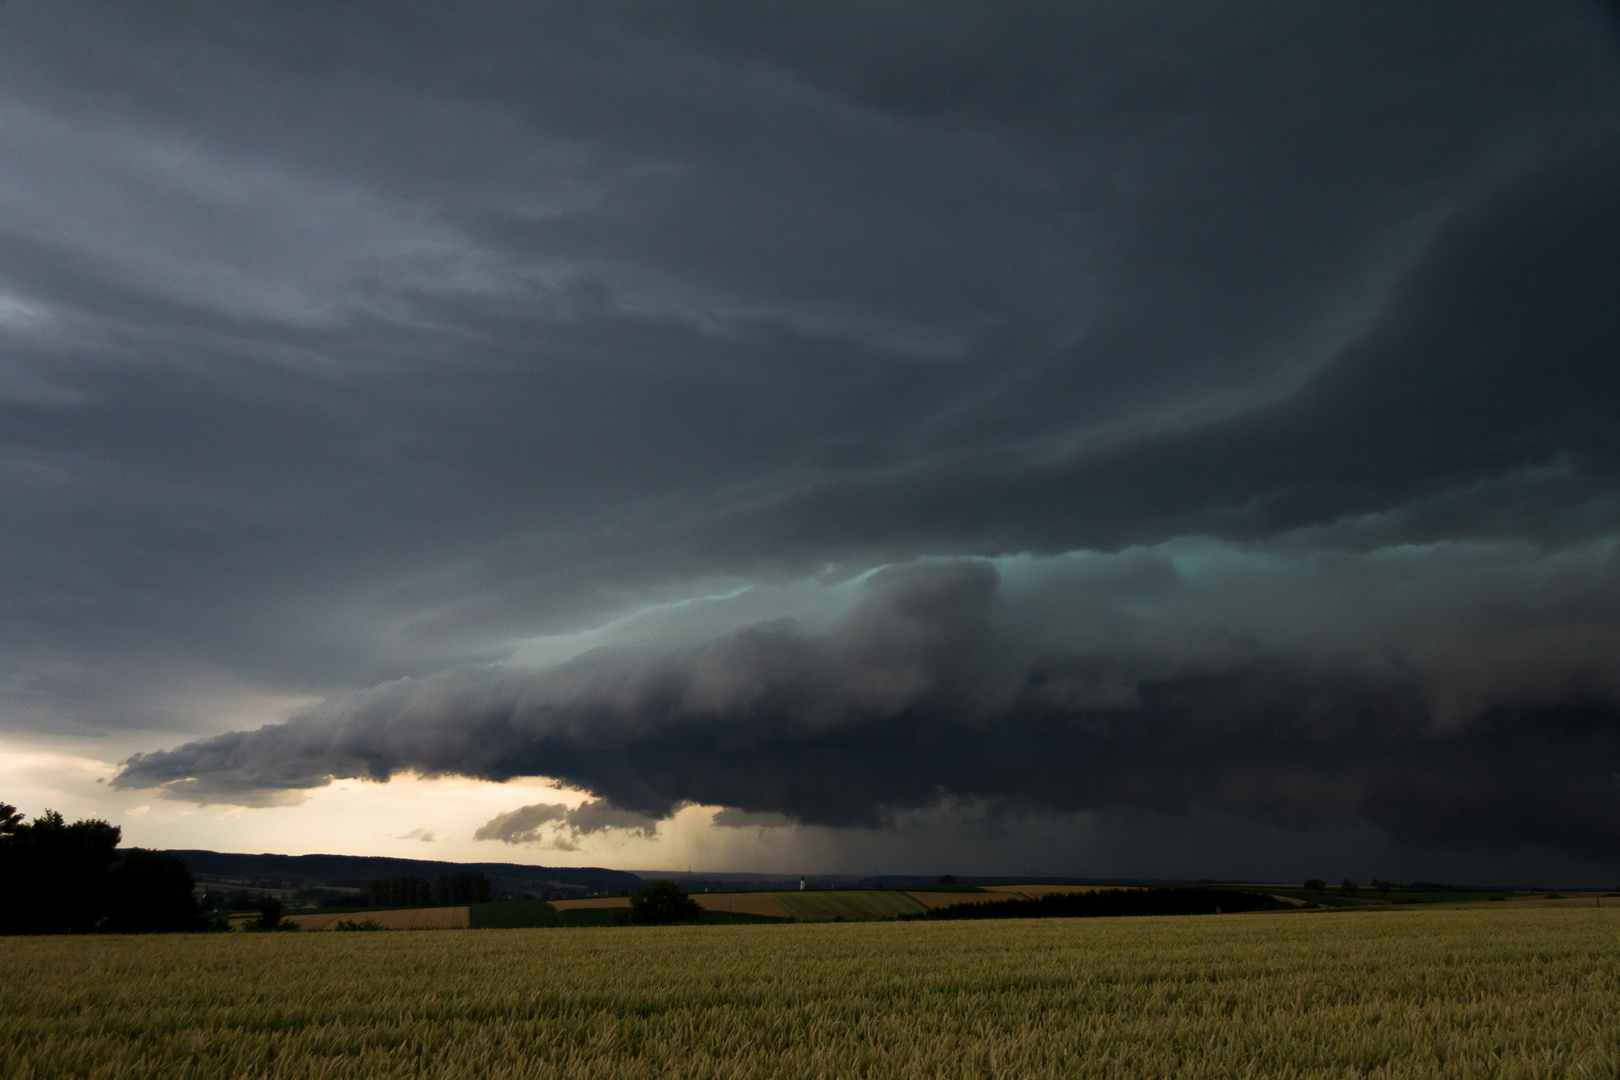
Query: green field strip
[(513, 915), (855, 905)]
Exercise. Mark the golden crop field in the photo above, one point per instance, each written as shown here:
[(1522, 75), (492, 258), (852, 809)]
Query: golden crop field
[(1432, 993)]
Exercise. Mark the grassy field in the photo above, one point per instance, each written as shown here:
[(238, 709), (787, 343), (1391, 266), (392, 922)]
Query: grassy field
[(512, 915), (1433, 993)]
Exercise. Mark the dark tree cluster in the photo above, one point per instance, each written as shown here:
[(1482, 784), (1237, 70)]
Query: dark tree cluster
[(270, 916), (661, 904), (457, 889), (57, 878), (405, 891), (1113, 902)]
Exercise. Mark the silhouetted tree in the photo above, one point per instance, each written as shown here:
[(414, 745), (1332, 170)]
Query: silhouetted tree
[(662, 903), (150, 891), (53, 876), (1316, 884), (269, 914), (1349, 888)]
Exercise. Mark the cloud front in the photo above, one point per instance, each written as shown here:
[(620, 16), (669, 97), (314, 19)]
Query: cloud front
[(1292, 690)]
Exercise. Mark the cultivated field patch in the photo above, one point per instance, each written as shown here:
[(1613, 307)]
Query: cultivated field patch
[(434, 918), (852, 905), (743, 904), (591, 902)]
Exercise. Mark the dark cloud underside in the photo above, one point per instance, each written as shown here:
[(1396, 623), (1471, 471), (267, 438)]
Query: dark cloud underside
[(942, 684)]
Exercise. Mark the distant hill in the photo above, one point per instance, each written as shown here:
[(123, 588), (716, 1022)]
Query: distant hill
[(704, 881), (308, 873)]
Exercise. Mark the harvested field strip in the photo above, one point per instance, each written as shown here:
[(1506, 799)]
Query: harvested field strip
[(855, 905), (435, 918), (743, 904), (592, 902), (1483, 992)]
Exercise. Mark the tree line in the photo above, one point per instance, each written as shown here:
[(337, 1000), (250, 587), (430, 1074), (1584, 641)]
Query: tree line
[(410, 891), (57, 878), (1110, 902)]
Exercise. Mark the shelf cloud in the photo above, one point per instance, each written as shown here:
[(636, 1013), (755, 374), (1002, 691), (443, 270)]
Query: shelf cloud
[(1448, 694)]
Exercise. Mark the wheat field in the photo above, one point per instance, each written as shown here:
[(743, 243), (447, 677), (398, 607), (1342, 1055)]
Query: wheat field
[(1442, 993)]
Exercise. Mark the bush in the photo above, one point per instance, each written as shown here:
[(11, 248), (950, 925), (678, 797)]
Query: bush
[(661, 904)]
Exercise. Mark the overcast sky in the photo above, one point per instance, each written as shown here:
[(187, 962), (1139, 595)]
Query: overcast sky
[(1114, 438)]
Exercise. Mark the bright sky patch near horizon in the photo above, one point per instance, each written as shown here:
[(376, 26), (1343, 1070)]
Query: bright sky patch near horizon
[(1123, 439)]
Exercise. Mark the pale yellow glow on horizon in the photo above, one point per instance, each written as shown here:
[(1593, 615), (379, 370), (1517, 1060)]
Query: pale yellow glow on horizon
[(407, 817), (421, 818)]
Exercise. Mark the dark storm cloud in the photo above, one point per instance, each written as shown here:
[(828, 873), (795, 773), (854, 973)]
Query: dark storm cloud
[(348, 347), (1467, 697), (1493, 357)]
